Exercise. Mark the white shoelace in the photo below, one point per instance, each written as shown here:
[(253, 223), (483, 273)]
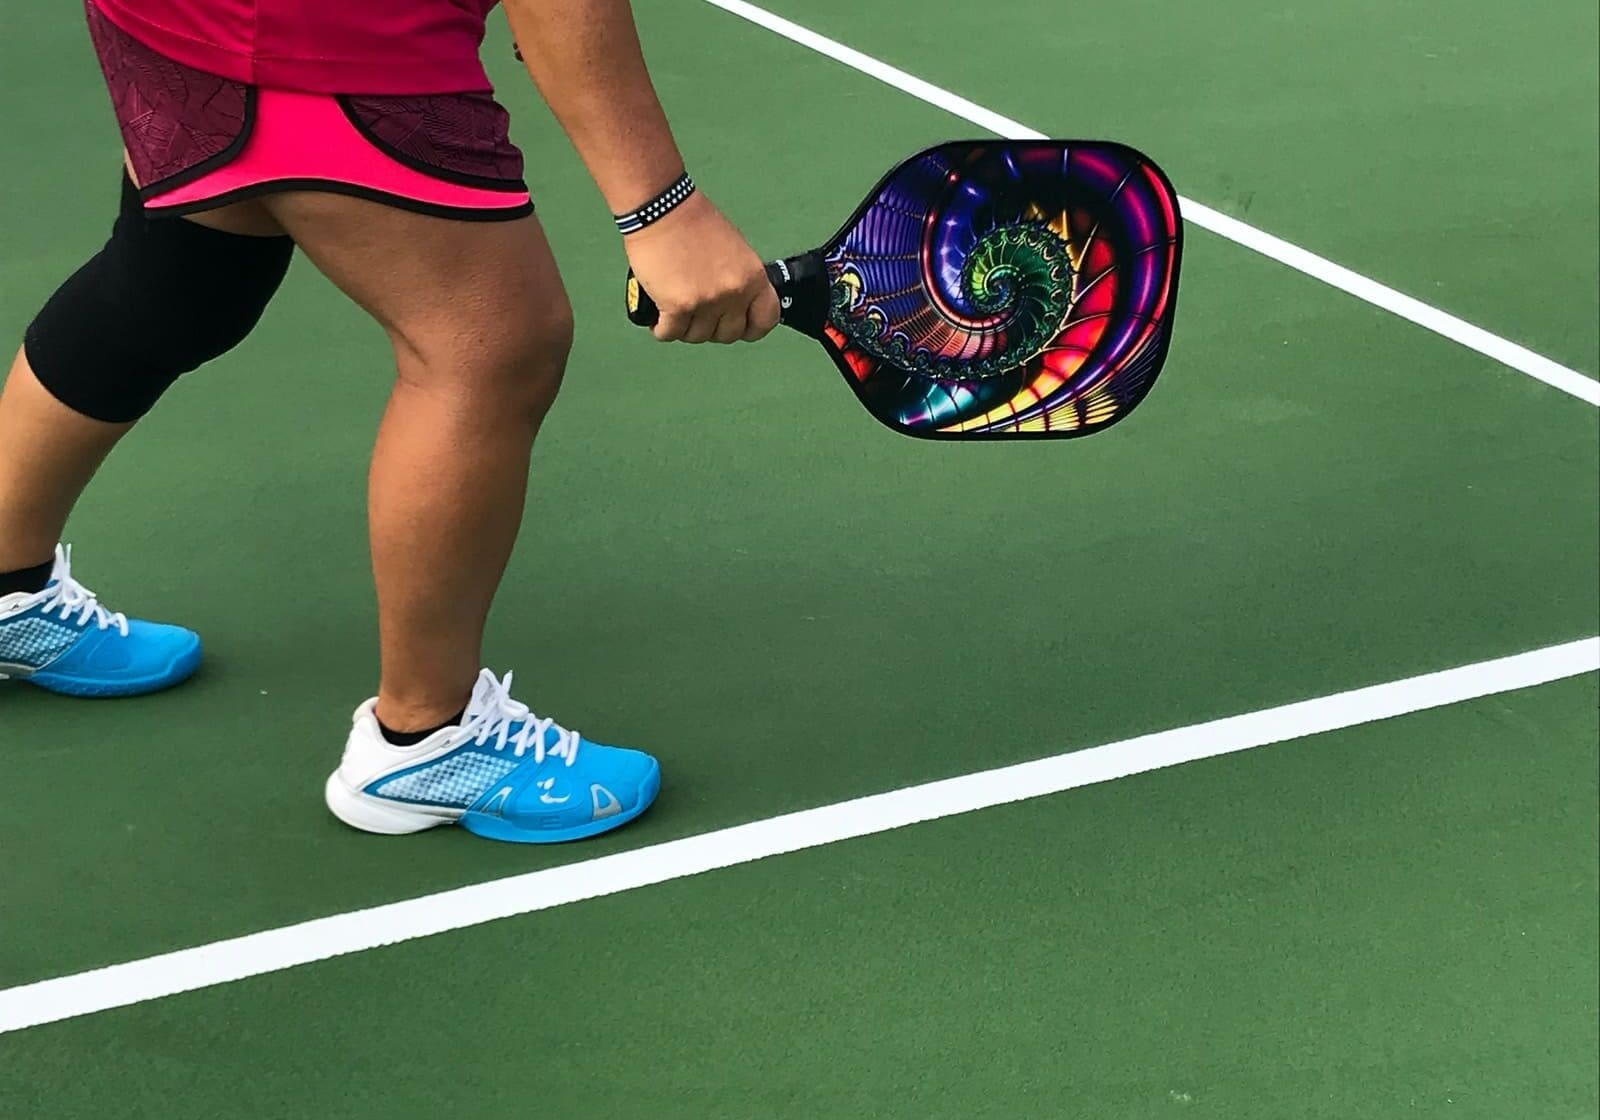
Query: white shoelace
[(497, 712), (68, 597)]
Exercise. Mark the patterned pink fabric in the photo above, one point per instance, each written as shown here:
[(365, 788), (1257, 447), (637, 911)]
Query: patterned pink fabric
[(173, 118), (304, 140), (186, 136), (464, 133)]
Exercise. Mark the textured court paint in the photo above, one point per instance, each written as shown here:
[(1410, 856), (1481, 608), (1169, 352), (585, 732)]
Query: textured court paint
[(719, 547), (1502, 350), (225, 962), (1358, 925)]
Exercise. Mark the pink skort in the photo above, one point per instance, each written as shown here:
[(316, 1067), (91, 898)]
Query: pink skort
[(197, 141)]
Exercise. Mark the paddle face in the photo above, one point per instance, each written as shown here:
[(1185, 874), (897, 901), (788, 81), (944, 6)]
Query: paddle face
[(1000, 289)]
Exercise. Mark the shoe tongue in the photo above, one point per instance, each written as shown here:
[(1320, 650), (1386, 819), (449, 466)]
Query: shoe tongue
[(485, 695)]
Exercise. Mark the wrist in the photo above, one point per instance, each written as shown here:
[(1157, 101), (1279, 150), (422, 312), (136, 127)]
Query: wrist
[(657, 207)]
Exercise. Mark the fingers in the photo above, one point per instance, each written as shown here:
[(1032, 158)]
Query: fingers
[(671, 326), (744, 313), (687, 326), (703, 326), (730, 328), (724, 323), (764, 313), (752, 317)]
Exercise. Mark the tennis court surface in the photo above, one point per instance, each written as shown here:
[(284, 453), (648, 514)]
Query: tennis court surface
[(1372, 532)]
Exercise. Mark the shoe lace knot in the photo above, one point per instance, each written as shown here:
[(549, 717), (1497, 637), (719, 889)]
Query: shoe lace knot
[(76, 603), (495, 714)]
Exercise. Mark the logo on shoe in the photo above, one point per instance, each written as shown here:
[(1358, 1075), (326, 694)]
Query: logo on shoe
[(605, 803), (546, 786)]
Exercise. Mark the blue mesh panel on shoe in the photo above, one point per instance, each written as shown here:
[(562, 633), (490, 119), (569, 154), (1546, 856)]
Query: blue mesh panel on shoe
[(455, 780), (34, 642)]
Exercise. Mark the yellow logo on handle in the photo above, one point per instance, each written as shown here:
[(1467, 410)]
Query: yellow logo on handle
[(633, 295)]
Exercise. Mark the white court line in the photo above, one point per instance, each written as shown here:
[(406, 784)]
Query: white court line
[(272, 950), (1502, 350)]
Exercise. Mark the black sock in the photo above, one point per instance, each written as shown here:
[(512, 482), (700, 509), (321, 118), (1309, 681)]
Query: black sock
[(26, 579), (412, 738)]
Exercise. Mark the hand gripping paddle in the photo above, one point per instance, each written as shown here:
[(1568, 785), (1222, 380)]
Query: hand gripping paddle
[(994, 289)]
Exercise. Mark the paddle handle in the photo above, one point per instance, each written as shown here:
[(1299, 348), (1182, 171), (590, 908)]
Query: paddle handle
[(801, 283)]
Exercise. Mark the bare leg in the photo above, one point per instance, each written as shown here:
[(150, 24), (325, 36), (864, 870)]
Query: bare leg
[(481, 327), (48, 454)]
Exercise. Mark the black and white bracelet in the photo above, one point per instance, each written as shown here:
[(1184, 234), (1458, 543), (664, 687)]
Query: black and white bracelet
[(657, 208)]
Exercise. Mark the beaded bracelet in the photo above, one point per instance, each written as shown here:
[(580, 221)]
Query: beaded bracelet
[(657, 208)]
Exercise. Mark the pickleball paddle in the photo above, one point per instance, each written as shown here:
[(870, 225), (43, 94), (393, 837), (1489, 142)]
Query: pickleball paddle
[(994, 289)]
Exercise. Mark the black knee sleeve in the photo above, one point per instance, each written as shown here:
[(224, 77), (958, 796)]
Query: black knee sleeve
[(163, 297)]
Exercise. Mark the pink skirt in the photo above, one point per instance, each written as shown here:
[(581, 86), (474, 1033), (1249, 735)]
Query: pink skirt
[(197, 141)]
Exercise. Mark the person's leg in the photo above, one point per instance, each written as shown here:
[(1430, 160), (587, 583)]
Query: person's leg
[(50, 451), (481, 327), (48, 454), (161, 298)]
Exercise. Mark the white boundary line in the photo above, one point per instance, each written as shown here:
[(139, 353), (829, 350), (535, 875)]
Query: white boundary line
[(1502, 350), (272, 950)]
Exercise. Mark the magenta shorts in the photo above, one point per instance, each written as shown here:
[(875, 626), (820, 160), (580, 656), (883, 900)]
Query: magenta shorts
[(197, 141)]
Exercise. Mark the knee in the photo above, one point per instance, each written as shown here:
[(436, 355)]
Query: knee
[(510, 367), (539, 359), (162, 297)]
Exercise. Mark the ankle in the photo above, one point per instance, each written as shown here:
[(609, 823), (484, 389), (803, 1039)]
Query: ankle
[(22, 552), (27, 579), (416, 719)]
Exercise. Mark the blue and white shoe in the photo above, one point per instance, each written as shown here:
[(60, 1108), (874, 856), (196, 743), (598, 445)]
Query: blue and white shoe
[(503, 773), (63, 640)]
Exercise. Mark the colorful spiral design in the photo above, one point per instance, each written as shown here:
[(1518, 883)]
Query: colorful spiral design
[(1007, 287)]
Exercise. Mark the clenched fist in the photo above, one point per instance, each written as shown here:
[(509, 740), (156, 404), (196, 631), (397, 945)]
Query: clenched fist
[(703, 275)]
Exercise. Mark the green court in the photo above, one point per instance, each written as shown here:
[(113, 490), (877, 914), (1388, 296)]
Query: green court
[(726, 562)]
